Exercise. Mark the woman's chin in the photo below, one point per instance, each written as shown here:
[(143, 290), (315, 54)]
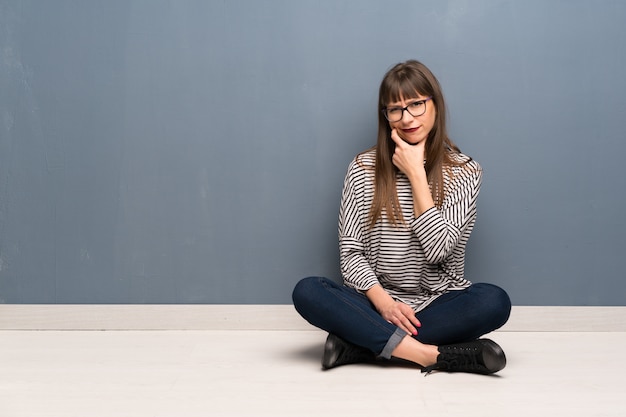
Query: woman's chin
[(412, 141)]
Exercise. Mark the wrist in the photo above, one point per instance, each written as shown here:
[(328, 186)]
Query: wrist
[(379, 297), (417, 175)]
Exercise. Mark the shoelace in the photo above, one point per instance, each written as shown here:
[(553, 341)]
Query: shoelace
[(459, 359)]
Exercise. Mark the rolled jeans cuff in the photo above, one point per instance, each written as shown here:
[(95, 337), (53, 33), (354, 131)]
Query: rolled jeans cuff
[(392, 343)]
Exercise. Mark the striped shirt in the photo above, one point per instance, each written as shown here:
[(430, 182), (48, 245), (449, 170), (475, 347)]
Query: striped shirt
[(416, 261)]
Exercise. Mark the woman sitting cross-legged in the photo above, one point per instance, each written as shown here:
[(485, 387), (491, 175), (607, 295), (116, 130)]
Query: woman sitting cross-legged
[(408, 207)]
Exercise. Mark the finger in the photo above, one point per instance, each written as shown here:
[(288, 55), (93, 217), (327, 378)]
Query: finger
[(396, 137), (405, 324), (406, 329), (410, 328), (410, 315), (398, 321), (415, 321)]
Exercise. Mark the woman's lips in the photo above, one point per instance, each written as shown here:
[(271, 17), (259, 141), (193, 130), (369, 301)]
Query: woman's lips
[(414, 129)]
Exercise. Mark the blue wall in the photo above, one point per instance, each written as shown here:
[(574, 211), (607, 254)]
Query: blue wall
[(193, 151)]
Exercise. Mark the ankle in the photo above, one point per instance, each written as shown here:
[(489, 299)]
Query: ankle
[(414, 351), (431, 355)]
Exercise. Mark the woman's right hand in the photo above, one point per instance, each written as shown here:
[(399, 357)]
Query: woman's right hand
[(395, 312), (401, 315)]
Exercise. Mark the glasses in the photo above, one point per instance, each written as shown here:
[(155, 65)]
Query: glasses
[(395, 114)]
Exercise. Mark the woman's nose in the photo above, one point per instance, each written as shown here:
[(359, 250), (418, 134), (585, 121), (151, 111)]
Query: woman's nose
[(409, 117)]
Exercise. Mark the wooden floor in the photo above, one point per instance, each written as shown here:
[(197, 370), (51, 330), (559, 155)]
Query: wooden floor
[(277, 373)]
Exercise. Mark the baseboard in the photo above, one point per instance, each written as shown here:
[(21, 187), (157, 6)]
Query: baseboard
[(267, 317)]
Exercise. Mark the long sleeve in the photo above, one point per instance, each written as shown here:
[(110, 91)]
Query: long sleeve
[(440, 230), (353, 219)]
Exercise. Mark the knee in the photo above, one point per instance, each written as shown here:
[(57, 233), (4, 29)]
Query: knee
[(502, 305), (498, 302), (303, 290)]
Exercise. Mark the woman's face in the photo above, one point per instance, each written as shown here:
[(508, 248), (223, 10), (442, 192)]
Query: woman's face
[(414, 129)]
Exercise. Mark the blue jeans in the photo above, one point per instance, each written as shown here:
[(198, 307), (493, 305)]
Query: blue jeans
[(454, 317)]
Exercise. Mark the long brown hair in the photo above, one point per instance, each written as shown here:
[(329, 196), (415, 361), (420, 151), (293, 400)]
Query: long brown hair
[(405, 81)]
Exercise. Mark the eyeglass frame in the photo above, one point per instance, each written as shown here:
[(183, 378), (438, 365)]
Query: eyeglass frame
[(406, 108)]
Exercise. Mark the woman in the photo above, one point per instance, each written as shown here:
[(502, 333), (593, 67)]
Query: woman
[(407, 210)]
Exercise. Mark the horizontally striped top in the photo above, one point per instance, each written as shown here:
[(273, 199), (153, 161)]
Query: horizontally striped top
[(417, 261)]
